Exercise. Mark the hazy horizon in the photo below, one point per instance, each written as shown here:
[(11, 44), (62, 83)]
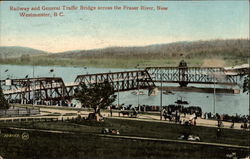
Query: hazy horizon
[(126, 46)]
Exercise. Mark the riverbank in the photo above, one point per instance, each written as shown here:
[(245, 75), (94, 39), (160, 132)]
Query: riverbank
[(64, 113), (125, 62)]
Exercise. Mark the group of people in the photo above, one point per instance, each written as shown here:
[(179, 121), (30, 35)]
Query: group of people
[(244, 119), (176, 117), (178, 109), (225, 117), (129, 111), (140, 107), (166, 114), (173, 113)]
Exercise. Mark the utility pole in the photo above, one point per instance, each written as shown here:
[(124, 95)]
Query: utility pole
[(138, 94), (214, 105), (118, 95), (0, 76), (34, 85), (161, 93)]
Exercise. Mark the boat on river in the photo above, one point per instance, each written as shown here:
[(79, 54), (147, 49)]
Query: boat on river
[(168, 93), (138, 93), (180, 101)]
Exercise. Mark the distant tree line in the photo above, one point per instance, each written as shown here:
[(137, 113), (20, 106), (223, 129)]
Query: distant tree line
[(224, 48)]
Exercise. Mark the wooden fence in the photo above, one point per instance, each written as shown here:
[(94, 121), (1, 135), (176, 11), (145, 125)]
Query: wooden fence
[(28, 119), (19, 112)]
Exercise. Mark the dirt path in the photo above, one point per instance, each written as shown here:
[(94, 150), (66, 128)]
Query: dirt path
[(61, 113)]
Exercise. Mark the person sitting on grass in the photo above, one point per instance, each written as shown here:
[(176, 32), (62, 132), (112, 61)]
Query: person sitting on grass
[(218, 133)]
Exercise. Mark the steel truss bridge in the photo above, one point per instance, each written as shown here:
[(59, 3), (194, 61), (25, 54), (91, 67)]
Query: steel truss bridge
[(192, 75), (53, 90)]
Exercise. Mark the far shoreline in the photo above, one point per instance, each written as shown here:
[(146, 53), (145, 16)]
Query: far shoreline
[(128, 63)]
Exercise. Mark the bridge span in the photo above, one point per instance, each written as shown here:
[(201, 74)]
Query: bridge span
[(185, 75), (54, 90)]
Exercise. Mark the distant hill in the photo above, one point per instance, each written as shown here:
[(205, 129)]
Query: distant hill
[(218, 53), (210, 48), (230, 48), (17, 51)]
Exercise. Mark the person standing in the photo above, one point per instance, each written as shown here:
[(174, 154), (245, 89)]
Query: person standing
[(110, 110), (162, 113), (176, 116)]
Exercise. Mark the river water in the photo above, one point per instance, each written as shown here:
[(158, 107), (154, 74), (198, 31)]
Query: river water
[(225, 103)]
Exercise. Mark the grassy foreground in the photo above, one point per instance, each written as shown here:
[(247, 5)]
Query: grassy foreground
[(86, 144), (64, 146)]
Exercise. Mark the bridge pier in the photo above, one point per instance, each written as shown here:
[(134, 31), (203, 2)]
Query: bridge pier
[(152, 91), (183, 74)]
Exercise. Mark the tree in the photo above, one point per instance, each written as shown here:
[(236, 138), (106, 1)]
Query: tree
[(25, 58), (3, 102), (246, 86), (96, 96)]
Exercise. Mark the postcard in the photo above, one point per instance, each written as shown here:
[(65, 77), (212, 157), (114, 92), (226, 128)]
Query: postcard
[(124, 79)]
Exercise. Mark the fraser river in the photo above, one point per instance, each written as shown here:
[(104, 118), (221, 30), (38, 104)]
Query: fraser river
[(225, 103)]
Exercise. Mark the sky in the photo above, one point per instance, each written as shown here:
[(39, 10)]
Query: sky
[(85, 29)]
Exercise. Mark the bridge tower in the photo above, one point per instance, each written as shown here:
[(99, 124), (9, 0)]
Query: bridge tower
[(183, 74)]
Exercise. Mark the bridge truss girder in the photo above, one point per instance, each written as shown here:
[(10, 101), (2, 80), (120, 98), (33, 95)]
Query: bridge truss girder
[(196, 75), (121, 81), (36, 90)]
